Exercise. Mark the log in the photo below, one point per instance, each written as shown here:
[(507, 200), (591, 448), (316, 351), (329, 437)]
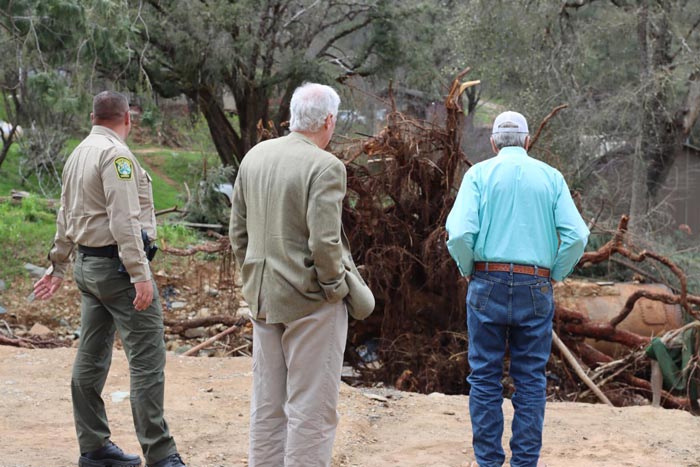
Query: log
[(209, 341), (32, 343), (577, 368), (606, 332), (180, 326), (592, 356), (169, 210), (211, 247)]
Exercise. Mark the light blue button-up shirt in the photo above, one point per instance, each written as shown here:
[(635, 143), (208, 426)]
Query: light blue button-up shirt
[(510, 209)]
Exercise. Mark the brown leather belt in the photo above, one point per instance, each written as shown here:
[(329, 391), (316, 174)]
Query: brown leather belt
[(517, 268)]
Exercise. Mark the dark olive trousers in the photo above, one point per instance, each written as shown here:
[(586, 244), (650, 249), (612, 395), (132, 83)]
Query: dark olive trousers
[(107, 305)]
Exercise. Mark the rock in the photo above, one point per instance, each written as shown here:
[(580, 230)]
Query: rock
[(39, 330), (2, 285), (211, 291), (177, 305), (36, 272), (243, 312), (203, 313), (196, 332), (349, 372), (2, 310), (183, 349), (119, 396), (375, 397)]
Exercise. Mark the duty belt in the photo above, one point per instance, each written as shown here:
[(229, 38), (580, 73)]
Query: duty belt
[(109, 251), (508, 267)]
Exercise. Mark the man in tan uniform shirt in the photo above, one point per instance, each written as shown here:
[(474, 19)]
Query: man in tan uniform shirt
[(106, 202), (298, 277)]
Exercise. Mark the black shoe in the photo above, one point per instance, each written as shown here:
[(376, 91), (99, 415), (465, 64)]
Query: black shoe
[(173, 460), (109, 455)]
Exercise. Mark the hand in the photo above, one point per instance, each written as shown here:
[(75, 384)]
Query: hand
[(144, 295), (46, 287)]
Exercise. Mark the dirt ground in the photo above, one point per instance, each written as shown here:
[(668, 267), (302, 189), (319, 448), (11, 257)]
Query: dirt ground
[(207, 408), (207, 399)]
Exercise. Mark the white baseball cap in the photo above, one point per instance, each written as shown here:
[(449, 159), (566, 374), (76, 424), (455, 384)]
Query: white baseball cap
[(510, 122)]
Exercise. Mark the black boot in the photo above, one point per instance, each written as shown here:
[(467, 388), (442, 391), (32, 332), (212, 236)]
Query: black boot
[(109, 455), (173, 460)]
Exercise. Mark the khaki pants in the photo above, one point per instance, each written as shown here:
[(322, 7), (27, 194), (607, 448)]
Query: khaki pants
[(107, 305), (296, 381)]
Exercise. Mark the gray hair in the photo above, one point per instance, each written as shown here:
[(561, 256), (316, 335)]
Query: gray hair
[(311, 104), (109, 106), (502, 140)]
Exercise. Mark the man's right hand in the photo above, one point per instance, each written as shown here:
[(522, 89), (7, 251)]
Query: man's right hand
[(47, 286), (144, 295)]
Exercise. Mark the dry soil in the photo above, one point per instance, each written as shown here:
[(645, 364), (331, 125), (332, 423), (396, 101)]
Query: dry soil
[(207, 408)]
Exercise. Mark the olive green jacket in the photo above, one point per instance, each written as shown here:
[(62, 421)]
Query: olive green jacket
[(286, 232)]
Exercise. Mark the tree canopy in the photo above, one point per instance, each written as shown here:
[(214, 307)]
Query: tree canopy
[(258, 52), (628, 69)]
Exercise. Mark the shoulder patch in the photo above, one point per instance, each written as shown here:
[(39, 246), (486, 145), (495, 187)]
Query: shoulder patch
[(125, 169)]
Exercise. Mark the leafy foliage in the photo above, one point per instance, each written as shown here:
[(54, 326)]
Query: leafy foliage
[(257, 53), (629, 71), (52, 49)]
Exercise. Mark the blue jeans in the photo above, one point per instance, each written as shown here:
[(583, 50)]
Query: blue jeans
[(514, 310)]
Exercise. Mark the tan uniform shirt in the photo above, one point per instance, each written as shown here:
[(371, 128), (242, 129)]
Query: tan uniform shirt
[(106, 199)]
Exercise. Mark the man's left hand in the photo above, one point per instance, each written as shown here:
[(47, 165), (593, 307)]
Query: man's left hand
[(144, 295), (46, 287)]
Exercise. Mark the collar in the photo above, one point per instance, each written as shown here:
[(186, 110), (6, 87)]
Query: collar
[(513, 151), (105, 131), (294, 134)]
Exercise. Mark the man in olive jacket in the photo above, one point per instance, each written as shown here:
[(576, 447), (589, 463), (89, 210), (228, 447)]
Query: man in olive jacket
[(298, 276)]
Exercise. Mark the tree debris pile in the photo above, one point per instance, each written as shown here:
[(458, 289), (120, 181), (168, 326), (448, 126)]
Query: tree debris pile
[(401, 186)]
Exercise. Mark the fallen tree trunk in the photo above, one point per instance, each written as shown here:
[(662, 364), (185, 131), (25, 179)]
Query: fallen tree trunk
[(180, 326), (28, 343), (208, 342)]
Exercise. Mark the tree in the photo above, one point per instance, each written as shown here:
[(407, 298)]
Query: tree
[(628, 69), (51, 50), (258, 52)]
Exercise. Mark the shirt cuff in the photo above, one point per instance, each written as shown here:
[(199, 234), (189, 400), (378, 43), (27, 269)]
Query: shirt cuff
[(56, 270), (139, 273)]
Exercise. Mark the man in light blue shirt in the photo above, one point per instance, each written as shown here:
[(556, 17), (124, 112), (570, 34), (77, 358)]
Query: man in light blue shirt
[(513, 229)]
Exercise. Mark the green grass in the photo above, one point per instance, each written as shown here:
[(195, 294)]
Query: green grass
[(178, 235), (170, 170), (10, 178), (9, 173), (27, 230), (487, 111)]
